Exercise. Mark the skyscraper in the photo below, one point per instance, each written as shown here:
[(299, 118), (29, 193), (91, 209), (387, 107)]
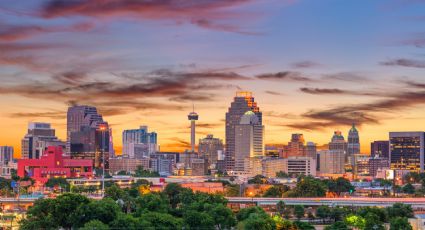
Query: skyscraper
[(6, 154), (39, 136), (192, 117), (88, 136), (380, 149), (248, 140), (243, 102), (79, 116), (295, 147), (139, 143), (209, 148), (407, 151), (353, 146), (333, 161)]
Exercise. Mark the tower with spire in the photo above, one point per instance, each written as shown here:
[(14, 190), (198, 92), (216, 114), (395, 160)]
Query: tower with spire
[(192, 117)]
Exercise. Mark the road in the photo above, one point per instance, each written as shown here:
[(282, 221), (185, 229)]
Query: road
[(417, 203)]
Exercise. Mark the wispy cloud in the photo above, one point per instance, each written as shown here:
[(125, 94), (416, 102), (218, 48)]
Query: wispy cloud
[(305, 64), (18, 32), (405, 63), (273, 93), (367, 113), (213, 15), (346, 76), (284, 76)]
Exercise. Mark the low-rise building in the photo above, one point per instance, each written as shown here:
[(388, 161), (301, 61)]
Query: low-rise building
[(53, 164), (127, 164), (301, 165)]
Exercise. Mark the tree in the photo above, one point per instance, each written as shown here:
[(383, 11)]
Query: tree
[(299, 211), (400, 223), (258, 179), (152, 202), (222, 216), (338, 213), (157, 220), (339, 186), (141, 172), (282, 174), (400, 210), (304, 225), (372, 222), (339, 225), (122, 173), (95, 225), (355, 221), (408, 188), (276, 191), (283, 210), (381, 213), (105, 210), (124, 221), (232, 190), (308, 186), (39, 216), (256, 222), (114, 192), (57, 182), (198, 220), (323, 212), (245, 213), (173, 190)]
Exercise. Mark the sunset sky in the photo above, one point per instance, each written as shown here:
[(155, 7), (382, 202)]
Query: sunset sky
[(313, 66)]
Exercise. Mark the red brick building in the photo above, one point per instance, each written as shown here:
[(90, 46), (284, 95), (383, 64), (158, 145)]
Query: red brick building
[(53, 164)]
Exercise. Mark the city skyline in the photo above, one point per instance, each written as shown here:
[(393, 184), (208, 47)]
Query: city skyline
[(148, 63)]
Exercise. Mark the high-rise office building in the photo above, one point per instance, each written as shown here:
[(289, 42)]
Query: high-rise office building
[(39, 136), (407, 151), (296, 147), (79, 116), (6, 154), (353, 146), (333, 160), (243, 102), (209, 148), (380, 149), (311, 150), (248, 139), (376, 163), (139, 143), (88, 136)]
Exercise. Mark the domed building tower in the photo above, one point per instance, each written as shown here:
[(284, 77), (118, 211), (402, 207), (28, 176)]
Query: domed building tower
[(249, 134)]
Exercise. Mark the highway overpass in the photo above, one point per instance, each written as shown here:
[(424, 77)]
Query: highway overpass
[(416, 203)]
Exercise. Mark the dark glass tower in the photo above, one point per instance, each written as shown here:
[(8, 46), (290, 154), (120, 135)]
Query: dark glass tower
[(243, 102), (407, 151), (353, 146)]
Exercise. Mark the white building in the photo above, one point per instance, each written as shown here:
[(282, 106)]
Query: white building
[(248, 139), (300, 165)]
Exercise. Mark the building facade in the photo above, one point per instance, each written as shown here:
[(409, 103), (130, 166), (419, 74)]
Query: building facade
[(353, 146), (271, 166), (300, 166), (407, 151), (209, 148), (332, 161), (39, 136), (380, 149), (377, 163), (248, 139), (139, 143), (6, 154), (243, 102), (54, 164), (89, 136), (296, 147), (118, 164)]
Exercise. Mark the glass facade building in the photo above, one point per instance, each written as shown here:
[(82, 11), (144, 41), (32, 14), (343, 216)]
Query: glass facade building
[(407, 151)]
